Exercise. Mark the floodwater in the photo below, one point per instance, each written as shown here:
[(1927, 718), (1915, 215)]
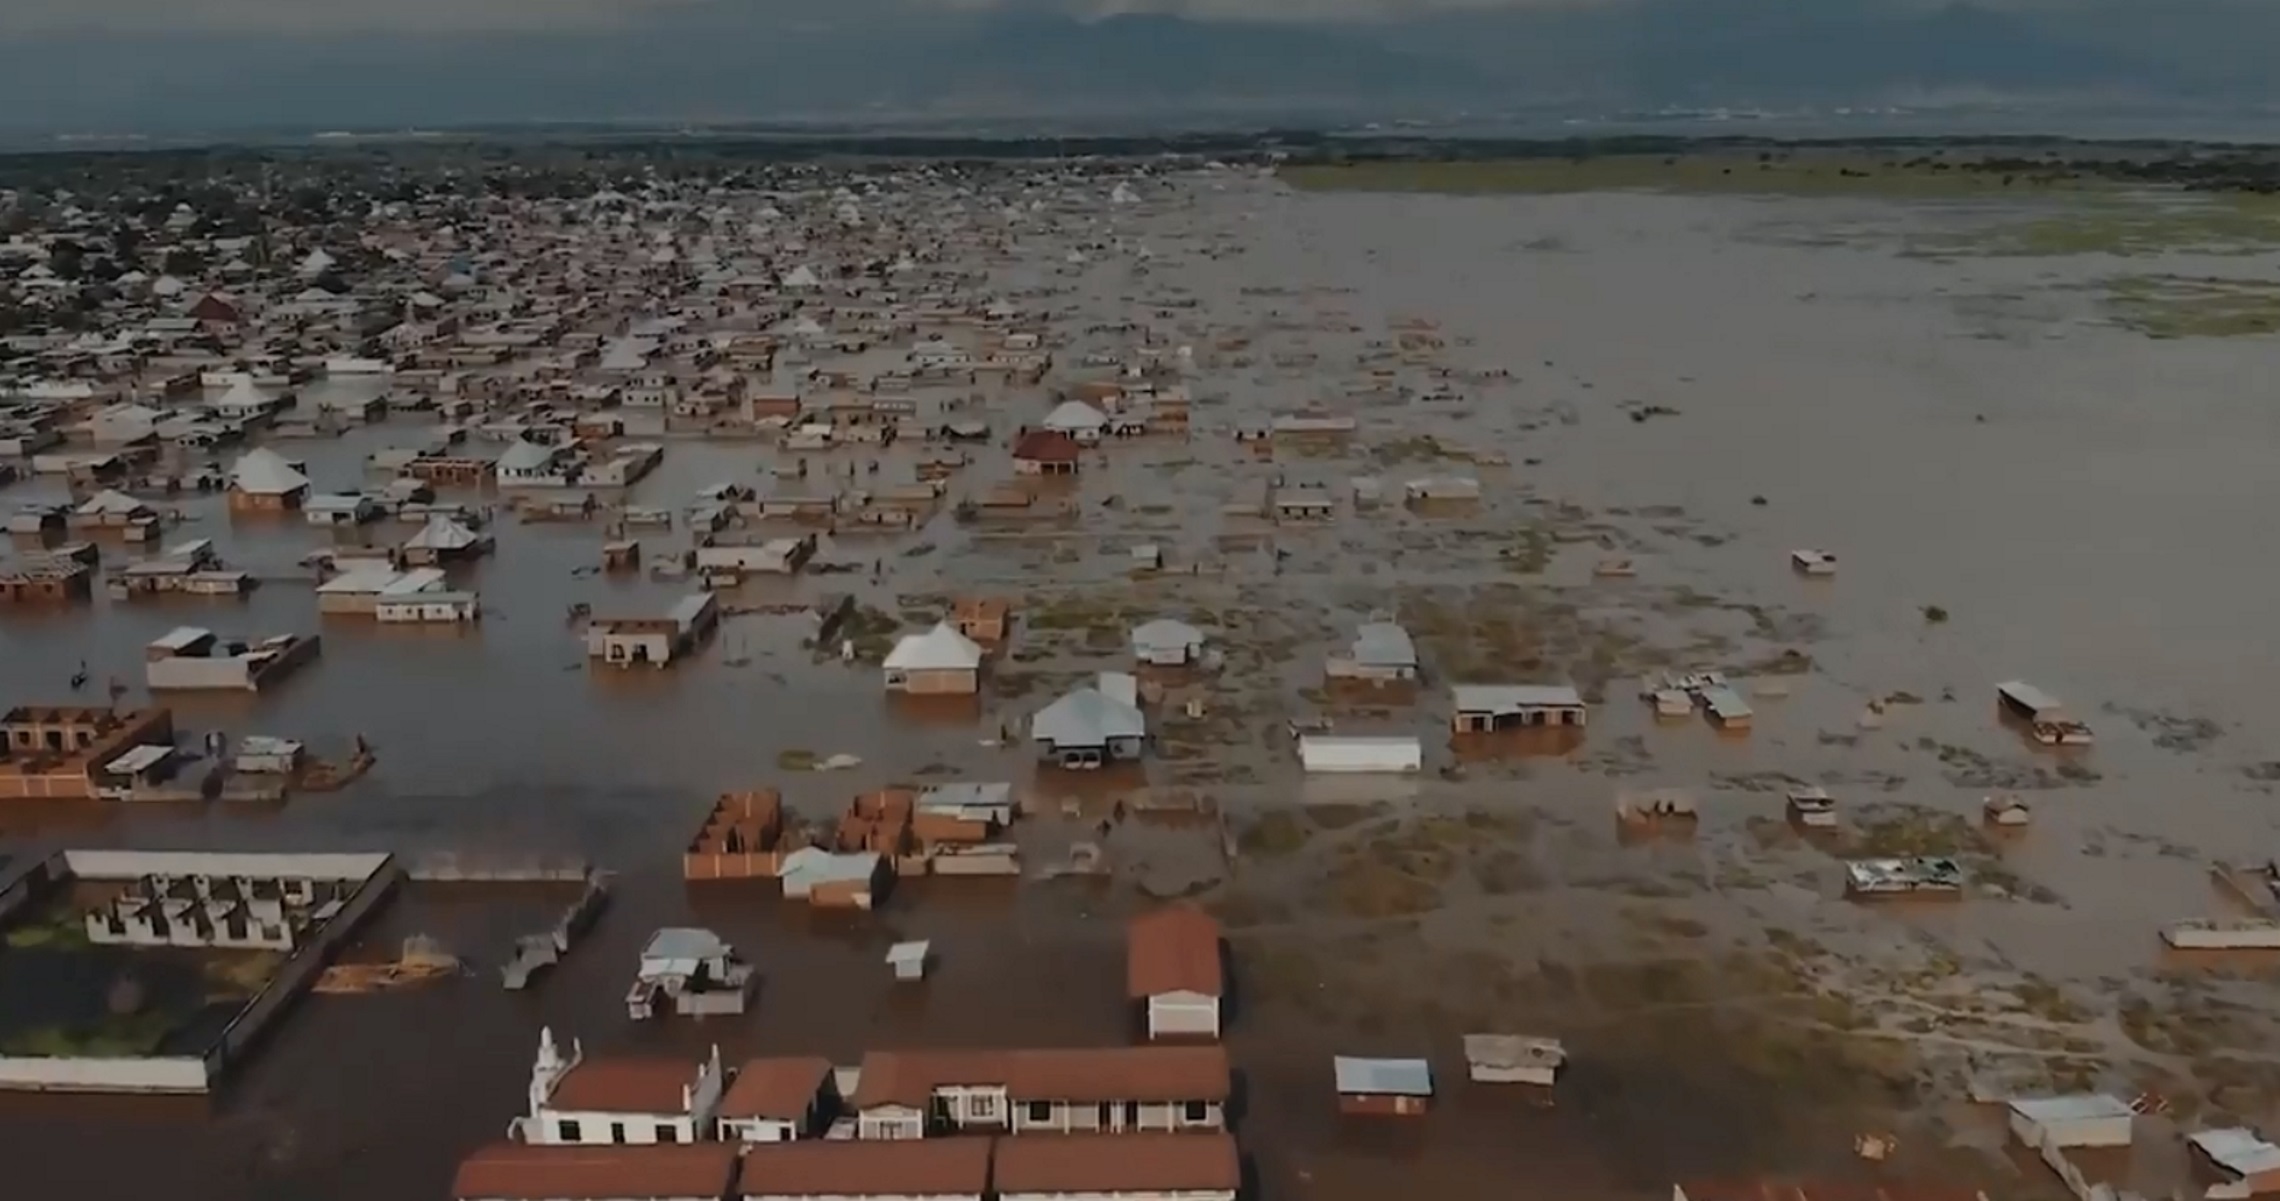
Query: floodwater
[(1700, 385)]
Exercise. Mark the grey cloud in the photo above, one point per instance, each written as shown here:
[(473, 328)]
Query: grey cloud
[(20, 17)]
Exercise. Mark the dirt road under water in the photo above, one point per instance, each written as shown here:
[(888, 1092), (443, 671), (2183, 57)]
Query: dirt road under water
[(1699, 385)]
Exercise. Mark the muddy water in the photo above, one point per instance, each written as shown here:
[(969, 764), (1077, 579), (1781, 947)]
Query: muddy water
[(2075, 497)]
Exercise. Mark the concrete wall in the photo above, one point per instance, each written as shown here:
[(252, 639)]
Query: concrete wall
[(1176, 1014), (127, 865), (302, 968), (190, 672), (176, 1074)]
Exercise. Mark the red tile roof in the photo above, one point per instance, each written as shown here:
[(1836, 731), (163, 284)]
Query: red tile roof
[(1117, 1163), (1174, 949), (775, 1088), (1047, 446), (933, 1167), (513, 1172), (625, 1086)]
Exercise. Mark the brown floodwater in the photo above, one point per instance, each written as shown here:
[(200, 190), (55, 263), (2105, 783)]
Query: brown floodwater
[(2082, 502)]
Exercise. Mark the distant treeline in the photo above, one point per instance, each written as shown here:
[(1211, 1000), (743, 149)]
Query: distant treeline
[(560, 155)]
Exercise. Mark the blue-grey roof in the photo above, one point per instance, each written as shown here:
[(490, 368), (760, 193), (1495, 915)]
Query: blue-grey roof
[(1087, 717), (1383, 1077), (1384, 644)]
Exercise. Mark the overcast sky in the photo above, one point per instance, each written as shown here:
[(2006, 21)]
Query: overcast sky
[(443, 16)]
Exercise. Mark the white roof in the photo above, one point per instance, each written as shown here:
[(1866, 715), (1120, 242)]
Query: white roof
[(814, 865), (442, 533), (373, 578), (1513, 1050), (1166, 631), (908, 952), (2075, 1107), (942, 648), (683, 943), (1384, 644), (1075, 415), (2237, 1150), (525, 456), (1383, 1077), (424, 579), (1501, 698), (140, 759), (800, 277), (264, 472), (180, 637), (111, 500), (242, 392)]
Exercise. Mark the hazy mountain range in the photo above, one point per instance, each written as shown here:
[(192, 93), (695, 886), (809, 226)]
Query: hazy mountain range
[(714, 60)]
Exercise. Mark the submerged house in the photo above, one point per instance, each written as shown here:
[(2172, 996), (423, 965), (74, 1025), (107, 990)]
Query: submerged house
[(527, 464), (1165, 642), (693, 970), (443, 540), (1486, 708), (1046, 452), (1382, 653), (939, 662), (188, 658), (1078, 420), (653, 641), (1092, 727), (263, 481)]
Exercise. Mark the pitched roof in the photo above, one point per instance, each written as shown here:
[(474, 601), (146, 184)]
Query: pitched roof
[(1098, 1164), (625, 1085), (1047, 446), (525, 456), (942, 648), (442, 533), (264, 472), (1173, 949), (514, 1172), (1087, 716), (776, 1088), (932, 1167), (1075, 415)]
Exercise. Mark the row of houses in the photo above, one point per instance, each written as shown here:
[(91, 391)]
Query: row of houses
[(890, 1096), (1157, 1167)]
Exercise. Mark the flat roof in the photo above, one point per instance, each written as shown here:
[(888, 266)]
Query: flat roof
[(140, 759), (1394, 1077), (1475, 698), (2074, 1107)]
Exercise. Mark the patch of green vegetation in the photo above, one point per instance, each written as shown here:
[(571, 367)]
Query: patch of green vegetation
[(2170, 306), (797, 758), (125, 1036), (1902, 831), (64, 933), (1783, 173), (2132, 226), (1935, 615)]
